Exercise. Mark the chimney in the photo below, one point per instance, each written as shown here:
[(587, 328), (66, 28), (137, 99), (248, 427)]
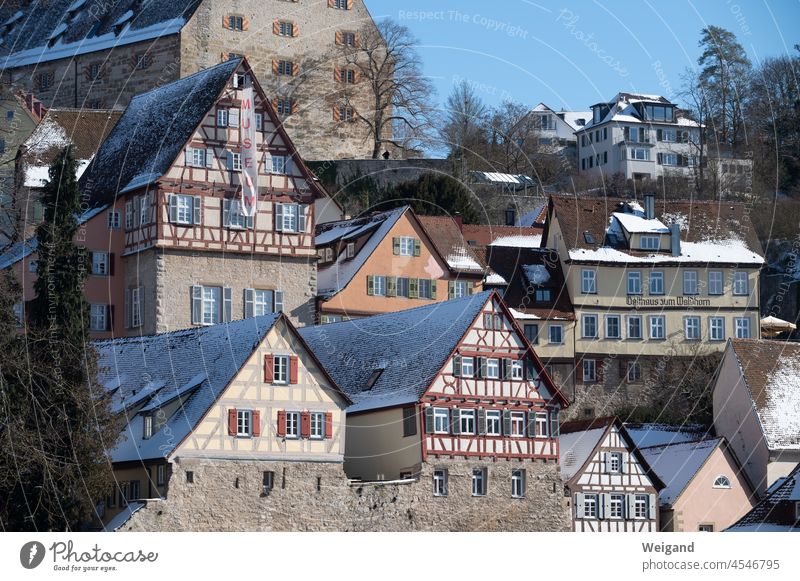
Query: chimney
[(649, 206), (675, 239), (457, 218)]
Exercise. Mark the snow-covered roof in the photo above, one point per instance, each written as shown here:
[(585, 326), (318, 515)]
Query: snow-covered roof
[(661, 434), (333, 277), (37, 175), (493, 177), (494, 278), (730, 251), (574, 449), (622, 110), (535, 217), (123, 517), (520, 241), (638, 224), (410, 346), (776, 511), (153, 131), (193, 364), (676, 464), (61, 29)]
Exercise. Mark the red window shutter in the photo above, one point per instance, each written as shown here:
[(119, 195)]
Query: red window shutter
[(336, 75), (245, 24), (275, 68), (336, 113), (276, 27), (305, 425), (295, 69), (293, 364), (328, 424), (256, 423), (339, 37), (281, 427), (268, 368), (294, 106), (295, 29), (275, 104), (356, 76), (331, 3), (349, 4), (226, 23), (232, 422)]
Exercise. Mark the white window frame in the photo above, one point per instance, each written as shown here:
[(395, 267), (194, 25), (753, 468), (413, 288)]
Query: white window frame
[(460, 289), (184, 209), (98, 317), (657, 322), (198, 157), (379, 286), (628, 334), (635, 282), (518, 483), (589, 370), (136, 307), (614, 462), (440, 482), (590, 500), (263, 302), (494, 426), (235, 158), (742, 327), (584, 320), (280, 369), (616, 501), (691, 328), (492, 368), (741, 283), (317, 425), (292, 428), (560, 336), (716, 283), (716, 324), (222, 117), (691, 282), (608, 319), (100, 263), (479, 482), (542, 425), (517, 424), (633, 377), (406, 246), (588, 281), (441, 417), (211, 311), (656, 289), (649, 242), (280, 164), (641, 504), (290, 218), (467, 367), (244, 423), (517, 371), (717, 483), (285, 28), (114, 220), (467, 422)]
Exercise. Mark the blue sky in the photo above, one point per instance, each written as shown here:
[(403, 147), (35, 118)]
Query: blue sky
[(575, 53)]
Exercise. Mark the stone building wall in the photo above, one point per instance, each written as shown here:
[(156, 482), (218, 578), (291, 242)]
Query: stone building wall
[(317, 497)]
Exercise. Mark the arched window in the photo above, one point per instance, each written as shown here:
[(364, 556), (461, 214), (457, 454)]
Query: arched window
[(722, 481)]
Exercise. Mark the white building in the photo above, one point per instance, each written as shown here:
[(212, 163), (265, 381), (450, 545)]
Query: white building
[(557, 129), (638, 136)]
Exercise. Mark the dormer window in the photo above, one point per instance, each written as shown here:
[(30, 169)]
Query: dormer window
[(663, 113), (123, 22), (588, 237), (56, 35), (147, 427)]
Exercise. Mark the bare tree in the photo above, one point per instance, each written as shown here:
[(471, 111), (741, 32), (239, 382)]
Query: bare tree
[(514, 140), (401, 111), (463, 130)]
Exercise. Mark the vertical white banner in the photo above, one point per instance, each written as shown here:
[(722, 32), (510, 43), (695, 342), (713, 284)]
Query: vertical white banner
[(249, 154)]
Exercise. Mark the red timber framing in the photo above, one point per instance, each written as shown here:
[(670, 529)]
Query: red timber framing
[(535, 393)]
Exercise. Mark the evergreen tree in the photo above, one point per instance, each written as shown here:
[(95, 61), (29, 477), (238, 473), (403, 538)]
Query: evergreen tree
[(56, 420), (433, 195)]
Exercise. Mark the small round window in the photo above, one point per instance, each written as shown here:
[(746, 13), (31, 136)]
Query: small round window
[(722, 482)]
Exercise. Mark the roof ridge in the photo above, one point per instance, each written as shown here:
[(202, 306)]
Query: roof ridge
[(228, 62)]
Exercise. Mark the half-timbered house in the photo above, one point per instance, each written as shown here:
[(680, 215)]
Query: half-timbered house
[(452, 393), (174, 163), (611, 486), (241, 406)]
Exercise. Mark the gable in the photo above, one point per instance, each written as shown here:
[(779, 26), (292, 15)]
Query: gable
[(633, 472)]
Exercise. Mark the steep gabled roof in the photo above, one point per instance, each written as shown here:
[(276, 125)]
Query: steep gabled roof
[(711, 232), (652, 434), (771, 372), (152, 132), (449, 241), (195, 365), (75, 27), (677, 464), (486, 234), (622, 110), (775, 512), (84, 129)]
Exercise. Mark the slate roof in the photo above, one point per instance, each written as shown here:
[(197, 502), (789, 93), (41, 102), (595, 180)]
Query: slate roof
[(676, 464), (775, 512), (410, 346), (535, 218), (771, 371), (621, 109), (27, 27), (519, 292), (710, 231), (153, 131), (193, 364), (449, 241), (652, 434), (333, 277)]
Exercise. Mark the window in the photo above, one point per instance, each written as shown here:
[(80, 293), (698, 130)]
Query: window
[(347, 76), (143, 61), (479, 482), (518, 424), (211, 304), (634, 327), (234, 161), (263, 302), (634, 283), (267, 481), (656, 282), (284, 107), (589, 326), (317, 426), (136, 307), (658, 113), (441, 421), (161, 475), (113, 220), (492, 422), (232, 216), (640, 153), (280, 369), (350, 250), (613, 327), (691, 328), (402, 287), (190, 477), (634, 372), (517, 484), (516, 370), (715, 284), (616, 506), (590, 506), (492, 368), (742, 327), (650, 242), (340, 4), (532, 333), (588, 281), (668, 158), (589, 370), (293, 425), (406, 246), (541, 425), (285, 28), (440, 482), (666, 135), (244, 423), (467, 421), (379, 285), (95, 71), (182, 209), (290, 217), (543, 295), (425, 288), (19, 314), (348, 38), (45, 81), (280, 164), (705, 528), (409, 421), (236, 23), (98, 321), (640, 503), (690, 286), (285, 68), (196, 157), (555, 334), (346, 113), (100, 263), (722, 481), (716, 328), (33, 266), (459, 288), (740, 283), (657, 330), (467, 367), (613, 462)]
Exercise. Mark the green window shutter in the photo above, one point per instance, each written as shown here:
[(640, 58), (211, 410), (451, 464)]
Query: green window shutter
[(413, 288), (391, 286), (481, 367), (481, 422), (370, 285), (396, 245), (455, 421), (506, 422), (433, 289), (416, 247), (451, 289), (531, 424), (457, 366), (555, 428), (429, 420), (249, 303)]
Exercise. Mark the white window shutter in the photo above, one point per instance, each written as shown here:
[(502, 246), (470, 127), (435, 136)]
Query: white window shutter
[(651, 509), (278, 301), (606, 505), (233, 118), (187, 156), (197, 304), (172, 201), (301, 217), (227, 304), (226, 213), (210, 157), (606, 465), (127, 313), (580, 505), (623, 465), (631, 505), (279, 217), (287, 166), (140, 305), (198, 210), (249, 307)]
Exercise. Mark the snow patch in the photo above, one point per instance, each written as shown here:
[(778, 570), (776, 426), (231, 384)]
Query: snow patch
[(536, 274), (518, 241)]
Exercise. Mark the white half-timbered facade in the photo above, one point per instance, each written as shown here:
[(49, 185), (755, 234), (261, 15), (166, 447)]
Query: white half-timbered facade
[(611, 486)]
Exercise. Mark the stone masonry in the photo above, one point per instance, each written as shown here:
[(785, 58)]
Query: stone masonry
[(306, 496)]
